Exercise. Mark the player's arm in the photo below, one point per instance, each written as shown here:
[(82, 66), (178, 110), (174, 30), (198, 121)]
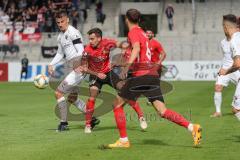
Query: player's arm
[(132, 58), (162, 53), (235, 66), (222, 71), (58, 57), (235, 47), (83, 68)]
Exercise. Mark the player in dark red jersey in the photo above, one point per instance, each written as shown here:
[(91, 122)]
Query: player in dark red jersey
[(145, 81), (97, 55)]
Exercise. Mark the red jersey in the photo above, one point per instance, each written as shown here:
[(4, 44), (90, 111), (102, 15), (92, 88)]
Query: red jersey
[(142, 65), (98, 58), (155, 48)]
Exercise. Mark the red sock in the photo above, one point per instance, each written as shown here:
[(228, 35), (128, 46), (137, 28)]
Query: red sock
[(136, 107), (120, 121), (89, 111), (176, 118)]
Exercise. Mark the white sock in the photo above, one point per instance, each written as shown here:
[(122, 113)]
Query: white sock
[(80, 104), (238, 115), (125, 139), (218, 101), (63, 109), (190, 127)]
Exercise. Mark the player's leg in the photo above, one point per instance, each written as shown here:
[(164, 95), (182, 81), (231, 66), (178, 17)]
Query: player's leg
[(120, 119), (26, 73), (81, 106), (117, 83), (217, 100), (236, 102), (222, 81), (63, 109), (66, 86), (21, 76), (135, 105), (155, 97), (94, 91), (77, 102), (119, 115)]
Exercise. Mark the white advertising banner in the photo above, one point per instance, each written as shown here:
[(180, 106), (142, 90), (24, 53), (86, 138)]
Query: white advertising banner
[(176, 70), (191, 70), (33, 70)]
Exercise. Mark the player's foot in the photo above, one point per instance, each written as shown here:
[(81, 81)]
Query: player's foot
[(197, 134), (94, 122), (143, 123), (216, 115), (88, 129), (119, 144), (63, 126)]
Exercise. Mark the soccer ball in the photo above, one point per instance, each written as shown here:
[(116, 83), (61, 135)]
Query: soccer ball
[(41, 81)]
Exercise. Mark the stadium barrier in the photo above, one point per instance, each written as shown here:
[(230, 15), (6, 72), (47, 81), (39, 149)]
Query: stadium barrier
[(176, 70)]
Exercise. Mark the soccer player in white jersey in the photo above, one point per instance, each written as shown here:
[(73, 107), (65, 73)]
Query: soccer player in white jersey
[(223, 80), (70, 49), (231, 28)]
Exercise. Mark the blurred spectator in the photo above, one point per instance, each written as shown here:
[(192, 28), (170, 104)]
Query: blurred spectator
[(41, 19), (169, 13), (75, 18), (99, 14), (49, 21), (87, 4), (22, 4), (5, 18), (42, 12)]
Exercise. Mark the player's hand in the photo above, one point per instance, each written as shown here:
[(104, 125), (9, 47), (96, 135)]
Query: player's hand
[(123, 74), (50, 70), (101, 75), (222, 72), (80, 69)]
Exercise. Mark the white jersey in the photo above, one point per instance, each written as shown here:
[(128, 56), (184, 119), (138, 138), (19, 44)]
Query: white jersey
[(227, 60), (235, 44), (70, 45)]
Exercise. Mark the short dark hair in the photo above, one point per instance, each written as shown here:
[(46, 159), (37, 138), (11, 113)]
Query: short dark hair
[(96, 31), (61, 14), (133, 15), (230, 18)]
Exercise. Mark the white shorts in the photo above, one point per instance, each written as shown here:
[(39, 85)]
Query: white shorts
[(71, 82), (236, 98), (225, 79)]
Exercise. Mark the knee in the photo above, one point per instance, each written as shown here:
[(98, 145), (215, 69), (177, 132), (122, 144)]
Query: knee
[(218, 88), (72, 97), (234, 110), (58, 94)]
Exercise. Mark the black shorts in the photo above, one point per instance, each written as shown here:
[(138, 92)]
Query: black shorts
[(112, 79), (147, 85), (24, 70)]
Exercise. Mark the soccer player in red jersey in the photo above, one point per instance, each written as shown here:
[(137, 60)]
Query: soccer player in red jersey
[(158, 53), (145, 81), (97, 55)]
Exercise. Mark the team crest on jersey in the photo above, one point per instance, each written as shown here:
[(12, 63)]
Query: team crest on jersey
[(66, 37)]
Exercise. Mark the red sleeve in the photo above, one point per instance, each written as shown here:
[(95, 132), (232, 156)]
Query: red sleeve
[(159, 47), (133, 37), (110, 44)]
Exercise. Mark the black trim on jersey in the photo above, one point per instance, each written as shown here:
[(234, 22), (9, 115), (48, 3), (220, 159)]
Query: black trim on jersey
[(77, 41)]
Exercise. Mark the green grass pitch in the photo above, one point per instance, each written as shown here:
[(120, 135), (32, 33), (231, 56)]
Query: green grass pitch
[(28, 123)]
